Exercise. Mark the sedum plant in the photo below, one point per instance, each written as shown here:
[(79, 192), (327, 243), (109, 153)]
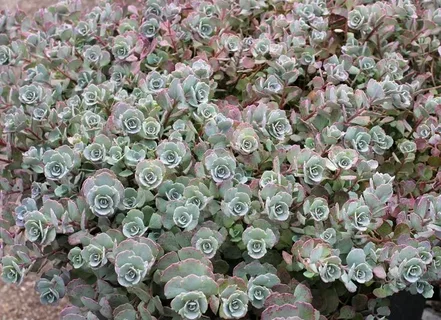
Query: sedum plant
[(222, 159)]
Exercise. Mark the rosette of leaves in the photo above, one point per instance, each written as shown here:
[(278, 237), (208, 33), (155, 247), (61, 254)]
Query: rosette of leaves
[(27, 205), (343, 159), (259, 288), (381, 140), (124, 47), (358, 269), (103, 192), (132, 156), (133, 224), (95, 254), (207, 241), (199, 195), (206, 112), (12, 272), (220, 163), (91, 124), (406, 265), (313, 168), (330, 270), (398, 96), (233, 298), (171, 191), (316, 208), (93, 95), (358, 139), (189, 280), (149, 174), (277, 202), (15, 120), (196, 92), (286, 68), (201, 68), (51, 290), (97, 150), (190, 294), (150, 128), (357, 215), (153, 83), (134, 259), (245, 139), (127, 118), (31, 94), (182, 215), (39, 228), (150, 27), (6, 55), (317, 258), (339, 69), (278, 125), (236, 202), (272, 177), (58, 163), (75, 257), (95, 57), (132, 199), (358, 17), (171, 153), (258, 241)]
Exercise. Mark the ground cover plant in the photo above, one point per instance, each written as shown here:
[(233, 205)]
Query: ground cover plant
[(222, 159)]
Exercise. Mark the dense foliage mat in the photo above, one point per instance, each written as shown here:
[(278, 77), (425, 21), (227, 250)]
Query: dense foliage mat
[(222, 159)]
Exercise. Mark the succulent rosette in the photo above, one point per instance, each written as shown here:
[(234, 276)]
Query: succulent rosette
[(316, 208), (237, 202), (259, 288), (221, 165), (207, 241), (38, 228), (133, 260), (128, 119), (11, 270), (234, 303), (51, 290), (149, 174), (171, 153), (245, 140), (133, 224), (103, 192), (59, 162), (258, 241), (182, 215)]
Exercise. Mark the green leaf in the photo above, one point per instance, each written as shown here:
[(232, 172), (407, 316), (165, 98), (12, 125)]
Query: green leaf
[(90, 304), (302, 293), (380, 293), (141, 292), (385, 229), (401, 229), (346, 312), (434, 161), (126, 173), (361, 120)]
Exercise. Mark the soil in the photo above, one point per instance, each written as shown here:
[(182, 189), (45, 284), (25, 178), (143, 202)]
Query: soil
[(23, 303)]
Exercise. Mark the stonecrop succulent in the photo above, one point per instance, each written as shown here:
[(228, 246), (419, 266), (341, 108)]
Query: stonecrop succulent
[(225, 159)]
